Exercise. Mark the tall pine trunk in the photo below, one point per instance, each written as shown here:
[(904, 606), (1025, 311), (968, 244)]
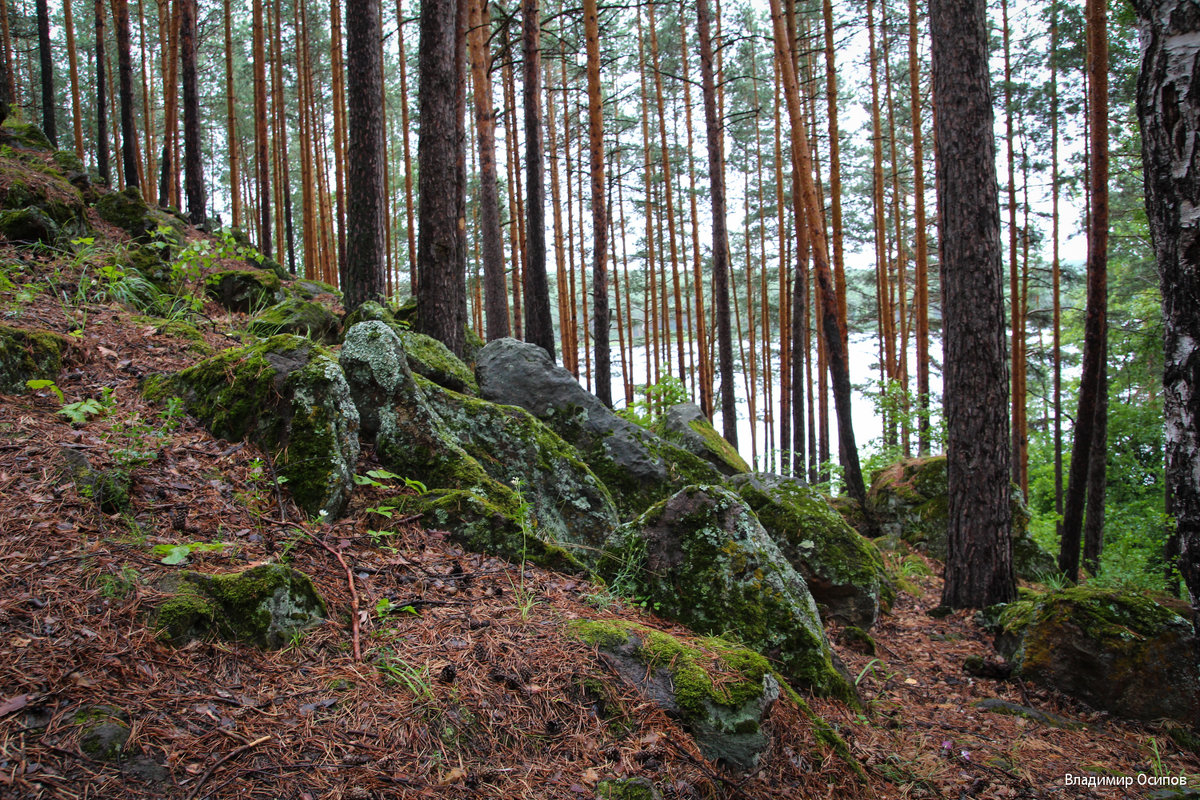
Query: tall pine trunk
[(46, 58), (495, 294), (979, 568), (129, 156), (1095, 323), (441, 285), (101, 96), (600, 316), (363, 267), (193, 169), (720, 254), (539, 326)]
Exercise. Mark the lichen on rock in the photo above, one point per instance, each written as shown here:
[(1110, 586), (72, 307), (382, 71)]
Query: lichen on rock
[(684, 424), (719, 690), (264, 605), (413, 440), (568, 504), (701, 557), (1120, 652), (638, 467), (843, 570), (288, 396), (103, 732)]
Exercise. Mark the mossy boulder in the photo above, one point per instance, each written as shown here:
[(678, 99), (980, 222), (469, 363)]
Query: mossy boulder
[(429, 357), (412, 440), (684, 424), (489, 519), (909, 501), (108, 488), (1120, 652), (370, 311), (244, 290), (627, 789), (309, 289), (701, 557), (639, 467), (287, 396), (395, 412), (28, 226), (265, 605), (103, 732), (568, 504), (719, 691), (844, 571), (126, 210), (27, 355), (18, 133), (299, 317)]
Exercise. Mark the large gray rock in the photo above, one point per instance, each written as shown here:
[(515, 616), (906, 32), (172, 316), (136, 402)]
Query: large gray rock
[(1115, 651), (414, 441), (638, 466), (843, 570), (568, 503), (701, 557), (288, 396), (684, 424), (724, 717)]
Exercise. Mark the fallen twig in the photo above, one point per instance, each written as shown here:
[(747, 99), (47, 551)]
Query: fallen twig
[(237, 751), (353, 592)]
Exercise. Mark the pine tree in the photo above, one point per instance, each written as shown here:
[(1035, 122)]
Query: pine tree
[(979, 560)]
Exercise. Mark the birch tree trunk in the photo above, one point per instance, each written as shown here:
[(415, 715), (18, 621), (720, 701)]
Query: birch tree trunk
[(1169, 111)]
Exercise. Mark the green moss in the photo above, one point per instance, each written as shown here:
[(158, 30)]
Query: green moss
[(279, 394), (309, 289), (858, 639), (844, 571), (712, 567), (23, 134), (1099, 613), (691, 666), (429, 357), (299, 317), (568, 501), (29, 355), (103, 732), (68, 162), (243, 290), (626, 789), (126, 210), (28, 226), (176, 329), (186, 615), (717, 445), (486, 519), (264, 605), (368, 312)]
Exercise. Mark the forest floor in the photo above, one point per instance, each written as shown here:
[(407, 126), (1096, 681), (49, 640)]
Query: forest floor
[(467, 686)]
